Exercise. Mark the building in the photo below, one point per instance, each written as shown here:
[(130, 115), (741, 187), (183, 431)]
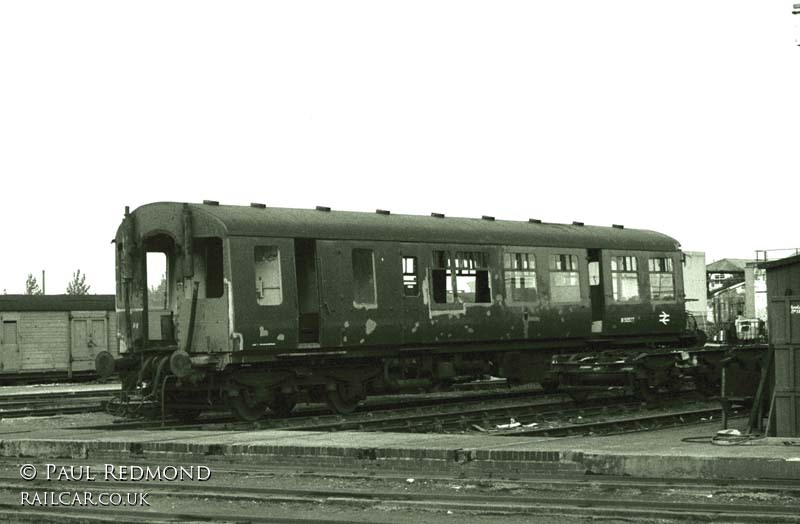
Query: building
[(695, 285), (55, 336), (725, 273)]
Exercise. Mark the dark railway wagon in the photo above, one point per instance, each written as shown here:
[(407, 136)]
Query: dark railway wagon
[(48, 337), (265, 306)]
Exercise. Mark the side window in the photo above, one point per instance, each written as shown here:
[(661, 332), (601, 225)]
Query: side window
[(9, 332), (564, 279), (624, 279), (410, 278), (442, 278), (472, 277), (364, 278), (662, 284), (267, 263), (520, 277), (464, 278)]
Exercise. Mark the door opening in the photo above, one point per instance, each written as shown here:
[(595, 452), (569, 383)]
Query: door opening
[(596, 295), (305, 260)]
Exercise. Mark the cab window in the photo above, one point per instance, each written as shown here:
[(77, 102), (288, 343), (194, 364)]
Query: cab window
[(662, 283)]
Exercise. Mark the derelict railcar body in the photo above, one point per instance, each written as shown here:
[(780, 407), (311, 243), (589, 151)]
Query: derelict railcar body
[(264, 298)]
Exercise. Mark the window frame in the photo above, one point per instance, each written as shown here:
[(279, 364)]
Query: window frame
[(280, 287), (414, 273), (614, 272), (374, 303), (671, 259), (580, 259), (532, 255), (452, 268)]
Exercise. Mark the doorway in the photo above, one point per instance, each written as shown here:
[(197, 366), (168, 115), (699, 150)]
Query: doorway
[(305, 260)]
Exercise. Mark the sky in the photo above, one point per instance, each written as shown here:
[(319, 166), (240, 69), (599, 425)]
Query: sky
[(681, 117)]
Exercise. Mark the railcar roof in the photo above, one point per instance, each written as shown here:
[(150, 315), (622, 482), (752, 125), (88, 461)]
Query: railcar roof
[(14, 303), (348, 225)]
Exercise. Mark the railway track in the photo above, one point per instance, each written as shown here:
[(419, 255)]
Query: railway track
[(48, 403), (316, 414), (469, 500), (520, 413)]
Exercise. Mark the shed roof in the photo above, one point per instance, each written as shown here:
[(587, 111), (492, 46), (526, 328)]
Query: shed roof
[(347, 225), (772, 264), (57, 303), (728, 265)]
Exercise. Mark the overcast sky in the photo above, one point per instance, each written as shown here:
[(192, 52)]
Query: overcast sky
[(681, 117)]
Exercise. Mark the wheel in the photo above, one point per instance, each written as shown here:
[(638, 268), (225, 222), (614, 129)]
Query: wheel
[(342, 400), (282, 405), (245, 407)]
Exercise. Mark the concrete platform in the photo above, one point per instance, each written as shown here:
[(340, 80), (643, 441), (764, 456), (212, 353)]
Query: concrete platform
[(663, 453)]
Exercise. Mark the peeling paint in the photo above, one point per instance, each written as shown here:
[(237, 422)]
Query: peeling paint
[(346, 323), (488, 312), (361, 341), (416, 327), (281, 337), (370, 326), (263, 332)]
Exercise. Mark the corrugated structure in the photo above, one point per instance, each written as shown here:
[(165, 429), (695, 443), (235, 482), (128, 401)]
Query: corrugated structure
[(54, 336), (783, 295)]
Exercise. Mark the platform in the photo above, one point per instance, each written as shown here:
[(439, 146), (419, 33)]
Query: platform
[(662, 453)]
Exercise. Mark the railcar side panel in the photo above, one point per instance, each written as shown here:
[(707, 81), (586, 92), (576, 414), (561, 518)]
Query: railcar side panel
[(360, 292), (265, 292)]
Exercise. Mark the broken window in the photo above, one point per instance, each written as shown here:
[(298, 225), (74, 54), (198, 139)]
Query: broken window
[(9, 332), (364, 277), (208, 266), (464, 279), (410, 279), (157, 289), (268, 275), (441, 278), (625, 279), (564, 279), (520, 277), (662, 284)]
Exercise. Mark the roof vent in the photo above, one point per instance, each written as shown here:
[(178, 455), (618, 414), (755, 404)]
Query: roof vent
[(211, 202), (257, 205), (437, 215), (618, 226), (534, 221), (324, 208), (383, 211), (487, 217), (576, 223)]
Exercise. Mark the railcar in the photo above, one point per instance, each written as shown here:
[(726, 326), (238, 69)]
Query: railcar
[(266, 306)]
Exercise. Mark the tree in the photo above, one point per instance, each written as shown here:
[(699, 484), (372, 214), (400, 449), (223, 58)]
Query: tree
[(157, 296), (77, 285), (31, 286)]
